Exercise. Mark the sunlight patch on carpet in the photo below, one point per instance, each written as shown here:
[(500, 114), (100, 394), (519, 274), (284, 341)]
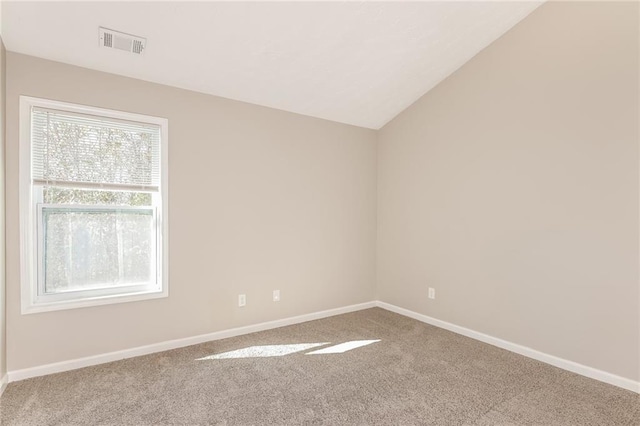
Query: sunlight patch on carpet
[(264, 351), (343, 347)]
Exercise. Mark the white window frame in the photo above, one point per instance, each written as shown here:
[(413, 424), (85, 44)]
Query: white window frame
[(32, 300)]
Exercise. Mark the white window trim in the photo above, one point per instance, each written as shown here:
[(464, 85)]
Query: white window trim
[(28, 238)]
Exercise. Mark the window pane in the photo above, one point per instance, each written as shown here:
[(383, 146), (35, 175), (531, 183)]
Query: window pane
[(59, 195), (97, 248)]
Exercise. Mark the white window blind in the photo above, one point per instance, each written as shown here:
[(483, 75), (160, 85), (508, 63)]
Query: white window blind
[(81, 150)]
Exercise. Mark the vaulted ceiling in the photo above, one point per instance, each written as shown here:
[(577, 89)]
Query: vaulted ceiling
[(359, 63)]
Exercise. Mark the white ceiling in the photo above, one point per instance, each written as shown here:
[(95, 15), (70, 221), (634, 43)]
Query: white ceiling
[(359, 63)]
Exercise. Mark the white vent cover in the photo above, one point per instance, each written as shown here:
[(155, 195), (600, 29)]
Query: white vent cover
[(116, 40)]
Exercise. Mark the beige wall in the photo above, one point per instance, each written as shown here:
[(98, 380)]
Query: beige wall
[(3, 330), (512, 189), (259, 200)]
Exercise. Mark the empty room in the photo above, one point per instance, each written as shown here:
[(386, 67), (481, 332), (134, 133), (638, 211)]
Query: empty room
[(320, 212)]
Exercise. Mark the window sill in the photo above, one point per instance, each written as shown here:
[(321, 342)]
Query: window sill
[(34, 308)]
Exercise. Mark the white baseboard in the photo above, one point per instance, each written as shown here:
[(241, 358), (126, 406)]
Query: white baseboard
[(574, 367), (3, 383), (73, 364)]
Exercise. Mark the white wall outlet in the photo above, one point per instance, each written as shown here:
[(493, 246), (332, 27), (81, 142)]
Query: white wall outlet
[(276, 295), (432, 293), (242, 300)]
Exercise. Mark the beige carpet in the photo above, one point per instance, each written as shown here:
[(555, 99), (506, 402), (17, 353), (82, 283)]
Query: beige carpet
[(414, 375)]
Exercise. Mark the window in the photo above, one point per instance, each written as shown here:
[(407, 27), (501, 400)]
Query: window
[(93, 206)]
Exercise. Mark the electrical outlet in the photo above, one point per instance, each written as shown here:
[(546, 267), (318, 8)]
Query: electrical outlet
[(242, 300), (276, 295), (432, 293)]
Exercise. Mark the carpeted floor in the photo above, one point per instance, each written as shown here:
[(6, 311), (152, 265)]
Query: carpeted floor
[(408, 373)]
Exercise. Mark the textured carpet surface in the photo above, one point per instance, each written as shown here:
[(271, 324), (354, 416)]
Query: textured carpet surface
[(415, 374)]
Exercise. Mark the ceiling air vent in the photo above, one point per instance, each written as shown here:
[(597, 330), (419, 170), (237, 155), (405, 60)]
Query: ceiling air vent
[(116, 40)]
